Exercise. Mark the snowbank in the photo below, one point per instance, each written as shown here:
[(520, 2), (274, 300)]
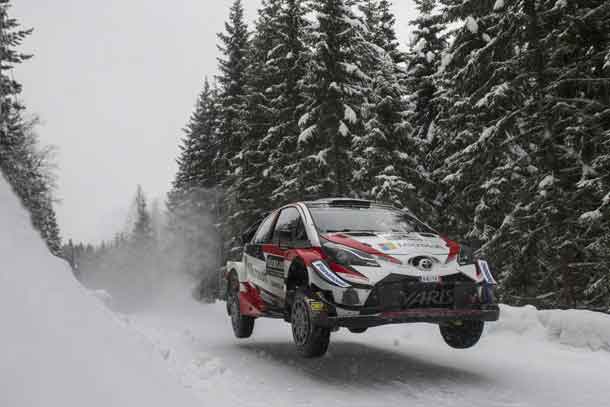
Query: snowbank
[(60, 345), (582, 329)]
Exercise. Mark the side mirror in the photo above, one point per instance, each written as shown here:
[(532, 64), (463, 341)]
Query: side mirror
[(284, 238)]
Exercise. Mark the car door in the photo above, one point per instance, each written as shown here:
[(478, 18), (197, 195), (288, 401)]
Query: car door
[(254, 258), (289, 233)]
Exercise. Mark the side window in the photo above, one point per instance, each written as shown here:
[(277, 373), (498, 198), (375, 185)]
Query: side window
[(289, 227), (264, 231)]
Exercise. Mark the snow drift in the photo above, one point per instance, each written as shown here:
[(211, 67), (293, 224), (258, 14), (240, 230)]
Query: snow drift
[(577, 328), (60, 345)]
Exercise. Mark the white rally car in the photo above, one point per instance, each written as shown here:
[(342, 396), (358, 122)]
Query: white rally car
[(357, 264)]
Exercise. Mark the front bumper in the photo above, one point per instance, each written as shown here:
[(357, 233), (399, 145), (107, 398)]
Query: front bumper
[(404, 299), (431, 315)]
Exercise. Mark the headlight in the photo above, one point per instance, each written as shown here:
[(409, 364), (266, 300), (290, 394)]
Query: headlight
[(327, 274), (348, 256)]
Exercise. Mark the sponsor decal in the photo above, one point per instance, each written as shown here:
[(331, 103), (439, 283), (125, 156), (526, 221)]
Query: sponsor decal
[(275, 266), (386, 247), (255, 274), (328, 275), (316, 306), (484, 267), (431, 297)]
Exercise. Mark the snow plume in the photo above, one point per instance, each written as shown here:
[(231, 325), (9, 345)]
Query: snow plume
[(185, 259), (61, 345)]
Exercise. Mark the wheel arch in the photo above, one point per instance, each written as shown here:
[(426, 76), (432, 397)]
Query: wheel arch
[(298, 275)]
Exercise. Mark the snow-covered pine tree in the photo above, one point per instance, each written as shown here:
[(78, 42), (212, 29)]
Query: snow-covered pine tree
[(287, 61), (423, 61), (232, 126), (21, 160), (232, 78), (193, 203), (387, 156), (251, 189), (524, 131), (483, 162), (564, 228), (200, 147), (334, 92), (142, 234)]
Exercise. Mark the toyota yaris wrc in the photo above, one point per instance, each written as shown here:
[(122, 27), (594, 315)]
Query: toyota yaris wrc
[(356, 264)]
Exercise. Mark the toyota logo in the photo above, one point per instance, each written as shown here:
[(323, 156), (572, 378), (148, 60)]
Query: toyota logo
[(425, 264)]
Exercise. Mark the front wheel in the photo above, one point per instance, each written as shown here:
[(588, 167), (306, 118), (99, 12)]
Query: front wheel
[(311, 340), (462, 334), (242, 325)]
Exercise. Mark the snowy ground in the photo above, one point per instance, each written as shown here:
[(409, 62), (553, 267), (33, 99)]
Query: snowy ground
[(517, 363)]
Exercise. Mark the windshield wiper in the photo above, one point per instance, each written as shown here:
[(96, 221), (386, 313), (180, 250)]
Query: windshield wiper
[(351, 231)]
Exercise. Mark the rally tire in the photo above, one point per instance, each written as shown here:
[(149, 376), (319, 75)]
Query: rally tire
[(310, 340), (358, 330), (242, 325), (462, 334)]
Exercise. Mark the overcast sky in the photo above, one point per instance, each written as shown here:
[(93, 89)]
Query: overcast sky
[(114, 82)]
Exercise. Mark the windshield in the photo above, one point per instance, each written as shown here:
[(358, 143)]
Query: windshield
[(332, 220)]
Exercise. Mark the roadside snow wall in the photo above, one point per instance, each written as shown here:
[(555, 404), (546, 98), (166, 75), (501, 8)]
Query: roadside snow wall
[(59, 345), (581, 329)]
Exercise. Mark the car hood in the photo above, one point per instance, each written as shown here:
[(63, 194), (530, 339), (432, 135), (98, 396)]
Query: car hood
[(393, 244), (409, 249)]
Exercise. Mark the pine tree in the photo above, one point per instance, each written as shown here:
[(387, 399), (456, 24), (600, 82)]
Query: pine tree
[(251, 189), (423, 62), (287, 64), (381, 23), (194, 202), (483, 165), (142, 234), (232, 130), (334, 92), (524, 136), (21, 160), (566, 218), (232, 79), (387, 156), (200, 148)]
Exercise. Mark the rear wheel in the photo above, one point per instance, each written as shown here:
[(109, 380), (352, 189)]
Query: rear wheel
[(242, 325), (462, 334), (357, 330), (311, 340)]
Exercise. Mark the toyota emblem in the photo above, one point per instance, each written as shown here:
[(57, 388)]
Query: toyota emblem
[(425, 264)]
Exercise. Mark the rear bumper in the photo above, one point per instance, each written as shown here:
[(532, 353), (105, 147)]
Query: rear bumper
[(432, 315)]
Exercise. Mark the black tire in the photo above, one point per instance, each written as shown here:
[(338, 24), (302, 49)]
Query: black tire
[(311, 341), (242, 325), (462, 334), (357, 330)]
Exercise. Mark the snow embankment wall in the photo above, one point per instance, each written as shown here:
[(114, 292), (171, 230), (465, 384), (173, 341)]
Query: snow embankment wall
[(60, 346), (578, 328)]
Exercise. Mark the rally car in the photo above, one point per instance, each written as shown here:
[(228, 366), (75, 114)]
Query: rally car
[(357, 264)]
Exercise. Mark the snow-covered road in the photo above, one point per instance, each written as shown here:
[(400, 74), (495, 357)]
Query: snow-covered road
[(515, 364)]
